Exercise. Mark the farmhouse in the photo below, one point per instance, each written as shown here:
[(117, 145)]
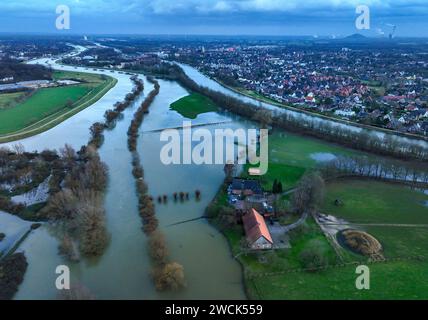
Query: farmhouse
[(245, 187), (256, 231)]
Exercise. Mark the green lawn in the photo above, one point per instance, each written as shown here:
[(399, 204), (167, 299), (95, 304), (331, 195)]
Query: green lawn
[(49, 106), (256, 95), (401, 242), (383, 203), (193, 105)]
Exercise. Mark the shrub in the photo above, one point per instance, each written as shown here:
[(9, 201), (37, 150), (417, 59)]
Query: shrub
[(313, 256)]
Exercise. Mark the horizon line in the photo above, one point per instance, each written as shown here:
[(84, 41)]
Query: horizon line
[(314, 37)]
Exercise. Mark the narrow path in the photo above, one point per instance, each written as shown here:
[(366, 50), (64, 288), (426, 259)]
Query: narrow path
[(297, 223), (331, 239)]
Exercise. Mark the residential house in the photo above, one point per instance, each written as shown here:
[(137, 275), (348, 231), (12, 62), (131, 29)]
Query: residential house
[(256, 231), (245, 187)]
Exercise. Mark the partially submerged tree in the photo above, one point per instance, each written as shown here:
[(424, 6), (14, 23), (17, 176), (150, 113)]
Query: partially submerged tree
[(169, 277), (157, 248), (76, 292)]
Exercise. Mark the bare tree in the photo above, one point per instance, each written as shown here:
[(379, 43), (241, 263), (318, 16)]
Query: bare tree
[(309, 193)]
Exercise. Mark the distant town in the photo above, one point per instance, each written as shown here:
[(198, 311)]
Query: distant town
[(378, 83)]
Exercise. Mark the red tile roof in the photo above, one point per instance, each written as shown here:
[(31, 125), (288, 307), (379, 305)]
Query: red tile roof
[(255, 226)]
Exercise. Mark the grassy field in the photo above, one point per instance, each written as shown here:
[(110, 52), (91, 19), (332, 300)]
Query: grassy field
[(376, 202), (392, 280), (9, 100), (49, 106), (43, 103), (193, 105), (256, 95)]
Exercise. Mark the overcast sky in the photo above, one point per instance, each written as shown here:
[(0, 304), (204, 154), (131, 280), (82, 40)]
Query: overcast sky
[(229, 17)]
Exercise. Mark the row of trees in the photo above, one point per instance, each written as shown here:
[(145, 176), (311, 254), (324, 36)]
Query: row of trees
[(166, 275), (23, 71), (111, 115), (312, 126), (139, 115), (412, 173)]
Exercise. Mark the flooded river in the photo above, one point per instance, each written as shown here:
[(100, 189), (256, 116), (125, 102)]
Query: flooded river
[(123, 272)]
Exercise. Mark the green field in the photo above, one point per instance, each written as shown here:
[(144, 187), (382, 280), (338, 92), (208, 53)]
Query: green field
[(49, 106), (390, 205), (43, 103), (193, 105), (376, 202), (392, 280), (290, 155), (9, 100)]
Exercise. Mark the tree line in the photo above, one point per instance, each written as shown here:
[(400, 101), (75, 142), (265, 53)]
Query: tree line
[(75, 206), (111, 115), (23, 72), (166, 275), (413, 173)]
